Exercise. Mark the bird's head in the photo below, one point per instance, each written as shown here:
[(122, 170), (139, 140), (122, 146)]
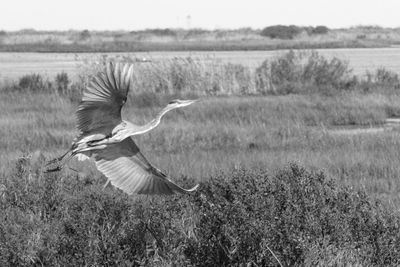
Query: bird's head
[(177, 103)]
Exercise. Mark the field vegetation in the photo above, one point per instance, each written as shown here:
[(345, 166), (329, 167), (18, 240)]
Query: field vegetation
[(269, 38), (277, 186)]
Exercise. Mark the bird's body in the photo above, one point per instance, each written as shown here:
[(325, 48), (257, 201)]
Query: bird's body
[(104, 136)]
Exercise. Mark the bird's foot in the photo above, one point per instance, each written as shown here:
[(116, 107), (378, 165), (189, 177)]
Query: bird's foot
[(54, 161), (56, 169)]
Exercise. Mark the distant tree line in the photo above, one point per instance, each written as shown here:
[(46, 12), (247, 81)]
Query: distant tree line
[(274, 31), (289, 32)]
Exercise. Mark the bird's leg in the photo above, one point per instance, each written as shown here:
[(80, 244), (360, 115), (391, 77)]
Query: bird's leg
[(61, 161), (57, 159), (72, 169)]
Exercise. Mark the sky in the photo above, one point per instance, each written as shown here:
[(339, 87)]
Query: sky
[(207, 14)]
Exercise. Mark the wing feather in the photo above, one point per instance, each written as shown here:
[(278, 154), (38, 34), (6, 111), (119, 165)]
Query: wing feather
[(129, 170), (103, 99)]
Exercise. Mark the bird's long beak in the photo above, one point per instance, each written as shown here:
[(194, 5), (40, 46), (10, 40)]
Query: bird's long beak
[(185, 103)]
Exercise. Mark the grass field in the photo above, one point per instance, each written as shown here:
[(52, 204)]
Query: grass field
[(220, 136)]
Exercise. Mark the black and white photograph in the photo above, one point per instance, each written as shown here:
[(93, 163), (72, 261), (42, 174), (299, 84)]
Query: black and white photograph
[(199, 133)]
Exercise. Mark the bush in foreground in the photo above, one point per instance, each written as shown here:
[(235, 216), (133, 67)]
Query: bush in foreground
[(298, 215), (248, 216)]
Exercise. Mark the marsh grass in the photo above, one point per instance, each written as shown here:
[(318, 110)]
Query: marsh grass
[(220, 133)]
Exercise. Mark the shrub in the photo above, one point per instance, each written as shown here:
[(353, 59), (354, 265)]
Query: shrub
[(382, 80), (239, 79), (194, 33), (33, 83), (300, 72), (62, 82), (244, 217), (84, 35), (263, 82), (387, 77), (320, 30), (281, 31), (73, 222), (162, 32)]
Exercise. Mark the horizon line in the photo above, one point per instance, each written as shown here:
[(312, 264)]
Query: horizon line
[(194, 28)]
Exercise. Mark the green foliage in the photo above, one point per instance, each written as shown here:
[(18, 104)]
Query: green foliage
[(299, 72), (382, 80), (384, 77), (320, 30), (289, 213), (62, 82), (84, 35), (32, 82), (73, 222), (281, 31), (162, 32), (37, 83), (195, 33), (236, 218)]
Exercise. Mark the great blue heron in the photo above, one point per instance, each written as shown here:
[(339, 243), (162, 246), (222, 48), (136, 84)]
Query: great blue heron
[(104, 136)]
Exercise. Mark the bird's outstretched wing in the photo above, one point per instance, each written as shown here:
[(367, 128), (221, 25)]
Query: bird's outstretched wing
[(103, 99), (130, 171)]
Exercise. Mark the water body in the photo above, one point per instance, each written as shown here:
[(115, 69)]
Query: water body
[(13, 65)]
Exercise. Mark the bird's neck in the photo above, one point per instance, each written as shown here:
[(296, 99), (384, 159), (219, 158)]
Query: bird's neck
[(153, 123)]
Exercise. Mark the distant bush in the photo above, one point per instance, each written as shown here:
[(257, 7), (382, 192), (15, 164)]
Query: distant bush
[(281, 31), (195, 33), (320, 30), (84, 35), (3, 33), (263, 81), (386, 77), (27, 31), (33, 83), (303, 72), (158, 32), (62, 82), (162, 32), (382, 80)]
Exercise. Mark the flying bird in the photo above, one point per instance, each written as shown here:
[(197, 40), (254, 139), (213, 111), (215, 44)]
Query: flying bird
[(106, 138)]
